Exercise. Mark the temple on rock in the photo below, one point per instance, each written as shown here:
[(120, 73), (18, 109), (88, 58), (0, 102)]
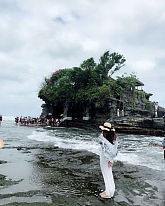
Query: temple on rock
[(89, 94), (130, 103)]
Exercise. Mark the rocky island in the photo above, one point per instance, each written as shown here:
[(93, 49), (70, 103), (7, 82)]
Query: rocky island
[(87, 95)]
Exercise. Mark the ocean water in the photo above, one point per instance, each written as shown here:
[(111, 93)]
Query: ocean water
[(133, 149)]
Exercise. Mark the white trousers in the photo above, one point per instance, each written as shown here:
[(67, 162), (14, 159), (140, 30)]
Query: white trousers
[(108, 176)]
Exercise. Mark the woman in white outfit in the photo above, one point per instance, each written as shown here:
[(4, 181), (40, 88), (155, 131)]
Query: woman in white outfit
[(109, 144)]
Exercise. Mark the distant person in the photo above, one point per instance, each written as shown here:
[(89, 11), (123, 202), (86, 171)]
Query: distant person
[(109, 144), (17, 120), (52, 121), (163, 143), (25, 120), (57, 122), (21, 120), (0, 119)]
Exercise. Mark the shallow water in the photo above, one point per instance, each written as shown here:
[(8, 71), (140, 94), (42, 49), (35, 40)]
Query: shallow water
[(61, 166), (134, 149)]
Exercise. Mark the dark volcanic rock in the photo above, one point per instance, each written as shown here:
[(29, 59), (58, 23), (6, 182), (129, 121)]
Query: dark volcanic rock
[(158, 123), (74, 178), (134, 125), (3, 162)]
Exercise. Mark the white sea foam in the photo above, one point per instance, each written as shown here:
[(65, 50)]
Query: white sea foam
[(142, 160), (75, 143), (133, 153)]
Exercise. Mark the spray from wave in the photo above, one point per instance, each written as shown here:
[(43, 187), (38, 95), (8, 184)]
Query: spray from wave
[(130, 152), (76, 142)]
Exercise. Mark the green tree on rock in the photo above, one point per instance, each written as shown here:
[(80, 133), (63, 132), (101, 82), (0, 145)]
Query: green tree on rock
[(110, 63), (86, 83), (88, 64)]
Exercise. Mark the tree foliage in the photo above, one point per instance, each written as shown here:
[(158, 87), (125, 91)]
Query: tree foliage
[(87, 83), (127, 82), (88, 64)]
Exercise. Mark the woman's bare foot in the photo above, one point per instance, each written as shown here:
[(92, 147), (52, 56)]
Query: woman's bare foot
[(102, 193), (105, 196)]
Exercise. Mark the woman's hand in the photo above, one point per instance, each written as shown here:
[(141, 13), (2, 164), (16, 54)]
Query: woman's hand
[(110, 164)]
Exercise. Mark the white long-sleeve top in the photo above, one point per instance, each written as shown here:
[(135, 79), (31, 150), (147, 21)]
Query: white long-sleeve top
[(108, 150)]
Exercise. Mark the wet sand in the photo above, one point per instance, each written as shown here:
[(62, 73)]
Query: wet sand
[(52, 176)]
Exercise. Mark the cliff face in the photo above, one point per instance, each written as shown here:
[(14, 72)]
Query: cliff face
[(130, 113), (129, 102), (112, 108)]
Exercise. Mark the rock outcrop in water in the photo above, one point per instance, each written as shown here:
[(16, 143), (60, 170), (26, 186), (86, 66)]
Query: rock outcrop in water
[(87, 94)]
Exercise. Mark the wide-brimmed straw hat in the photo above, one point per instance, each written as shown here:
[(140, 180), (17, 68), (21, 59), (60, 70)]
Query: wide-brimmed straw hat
[(1, 143), (107, 126)]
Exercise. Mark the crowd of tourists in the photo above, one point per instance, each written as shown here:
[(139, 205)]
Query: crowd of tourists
[(30, 121)]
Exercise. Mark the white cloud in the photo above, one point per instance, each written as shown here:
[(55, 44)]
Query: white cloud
[(37, 37), (144, 66)]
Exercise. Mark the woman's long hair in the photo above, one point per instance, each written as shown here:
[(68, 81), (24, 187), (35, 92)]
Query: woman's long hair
[(110, 136)]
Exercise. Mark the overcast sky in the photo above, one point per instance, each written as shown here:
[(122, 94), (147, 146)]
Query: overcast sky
[(38, 37)]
